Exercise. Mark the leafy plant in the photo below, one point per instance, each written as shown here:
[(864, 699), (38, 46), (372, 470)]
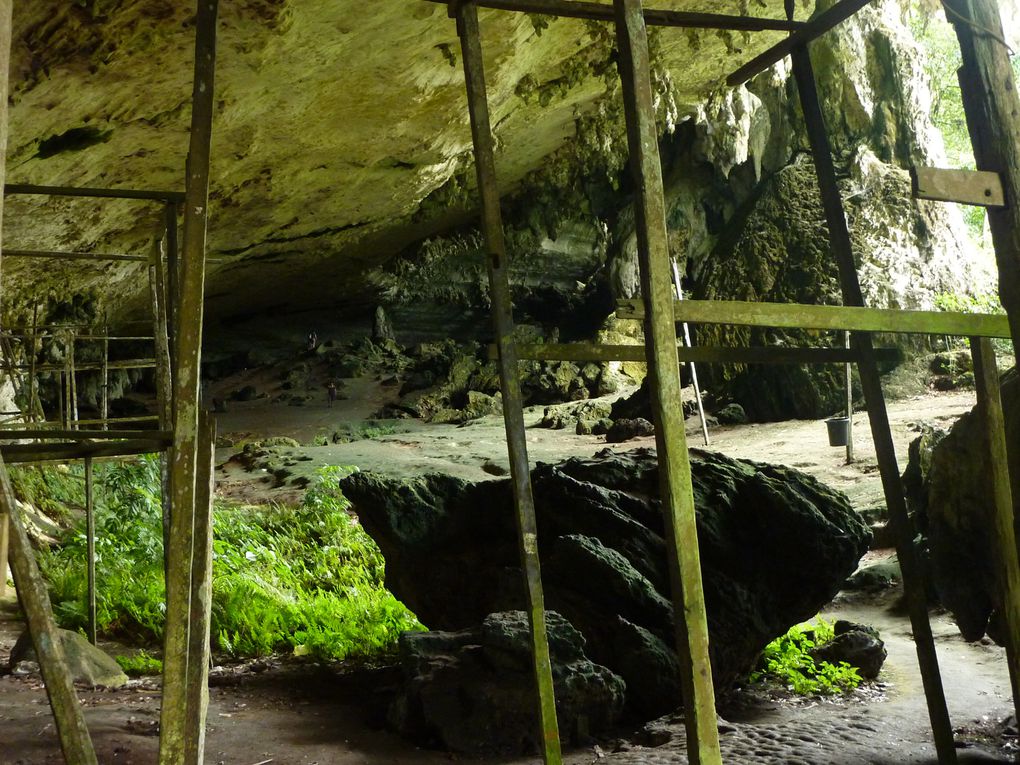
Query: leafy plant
[(787, 661), (142, 663), (306, 579)]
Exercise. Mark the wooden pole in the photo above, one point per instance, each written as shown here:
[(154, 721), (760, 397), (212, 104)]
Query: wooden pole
[(90, 541), (663, 369), (72, 378), (164, 385), (104, 378), (513, 414), (687, 343), (174, 711), (33, 385), (5, 534), (989, 410), (35, 603), (201, 594), (913, 582), (172, 291), (992, 106), (849, 372)]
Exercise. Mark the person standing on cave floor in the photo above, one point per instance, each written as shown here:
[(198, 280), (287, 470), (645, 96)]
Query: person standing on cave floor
[(331, 393)]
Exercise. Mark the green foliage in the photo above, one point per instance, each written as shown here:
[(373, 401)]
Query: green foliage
[(306, 579), (142, 663), (787, 661), (987, 302)]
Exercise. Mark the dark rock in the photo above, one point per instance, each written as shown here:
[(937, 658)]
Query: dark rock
[(247, 393), (950, 493), (381, 327), (775, 546), (857, 645), (877, 576), (601, 427), (472, 691), (731, 414), (624, 430)]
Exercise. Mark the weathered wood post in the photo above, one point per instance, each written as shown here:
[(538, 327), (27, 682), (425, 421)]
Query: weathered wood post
[(90, 543), (35, 603), (104, 379), (164, 381), (885, 450), (5, 533), (664, 371), (174, 713), (989, 409), (513, 415), (201, 593)]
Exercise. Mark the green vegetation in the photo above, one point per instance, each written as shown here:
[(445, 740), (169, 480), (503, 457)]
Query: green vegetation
[(305, 579), (987, 302), (787, 661), (142, 663)]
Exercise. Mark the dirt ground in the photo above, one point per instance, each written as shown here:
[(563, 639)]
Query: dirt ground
[(279, 712)]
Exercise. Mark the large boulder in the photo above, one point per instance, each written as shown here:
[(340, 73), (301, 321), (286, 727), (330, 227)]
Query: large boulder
[(472, 691), (87, 664), (775, 546), (950, 491)]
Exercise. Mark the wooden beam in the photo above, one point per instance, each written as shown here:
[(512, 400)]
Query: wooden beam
[(98, 257), (161, 437), (201, 593), (5, 536), (577, 9), (90, 552), (174, 714), (881, 432), (99, 193), (993, 427), (829, 317), (699, 354), (513, 414), (67, 451), (992, 106), (68, 713), (965, 187), (676, 490), (814, 29)]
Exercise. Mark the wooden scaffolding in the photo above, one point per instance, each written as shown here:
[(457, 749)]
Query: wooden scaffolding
[(184, 436), (661, 312)]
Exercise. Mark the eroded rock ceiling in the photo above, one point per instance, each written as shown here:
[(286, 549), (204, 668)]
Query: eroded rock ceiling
[(337, 125)]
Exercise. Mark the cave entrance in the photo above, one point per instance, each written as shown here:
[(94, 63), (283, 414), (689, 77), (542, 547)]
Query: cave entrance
[(661, 312)]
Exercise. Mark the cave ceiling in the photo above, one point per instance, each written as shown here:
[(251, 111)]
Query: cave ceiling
[(334, 120)]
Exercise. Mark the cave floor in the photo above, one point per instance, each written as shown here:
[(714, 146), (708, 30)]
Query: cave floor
[(277, 711)]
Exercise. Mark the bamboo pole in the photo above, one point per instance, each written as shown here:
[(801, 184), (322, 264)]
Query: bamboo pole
[(913, 582), (35, 602), (201, 593), (174, 712), (33, 385), (104, 383), (663, 366), (513, 415), (90, 541), (993, 425)]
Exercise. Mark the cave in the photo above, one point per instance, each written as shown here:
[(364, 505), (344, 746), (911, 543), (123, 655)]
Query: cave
[(509, 379)]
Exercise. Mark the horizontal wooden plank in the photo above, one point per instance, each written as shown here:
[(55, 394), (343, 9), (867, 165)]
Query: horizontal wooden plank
[(700, 354), (966, 187), (62, 452), (812, 30), (163, 436), (578, 9), (828, 317), (72, 191)]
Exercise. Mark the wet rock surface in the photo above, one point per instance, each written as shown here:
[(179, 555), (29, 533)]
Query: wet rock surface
[(472, 691), (775, 546)]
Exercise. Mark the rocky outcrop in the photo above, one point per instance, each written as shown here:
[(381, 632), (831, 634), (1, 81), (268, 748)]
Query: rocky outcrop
[(775, 546), (473, 691), (949, 487), (86, 664)]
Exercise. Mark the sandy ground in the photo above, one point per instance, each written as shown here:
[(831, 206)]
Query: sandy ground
[(284, 713)]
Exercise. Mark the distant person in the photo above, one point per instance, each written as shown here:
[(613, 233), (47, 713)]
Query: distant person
[(313, 340), (331, 392)]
